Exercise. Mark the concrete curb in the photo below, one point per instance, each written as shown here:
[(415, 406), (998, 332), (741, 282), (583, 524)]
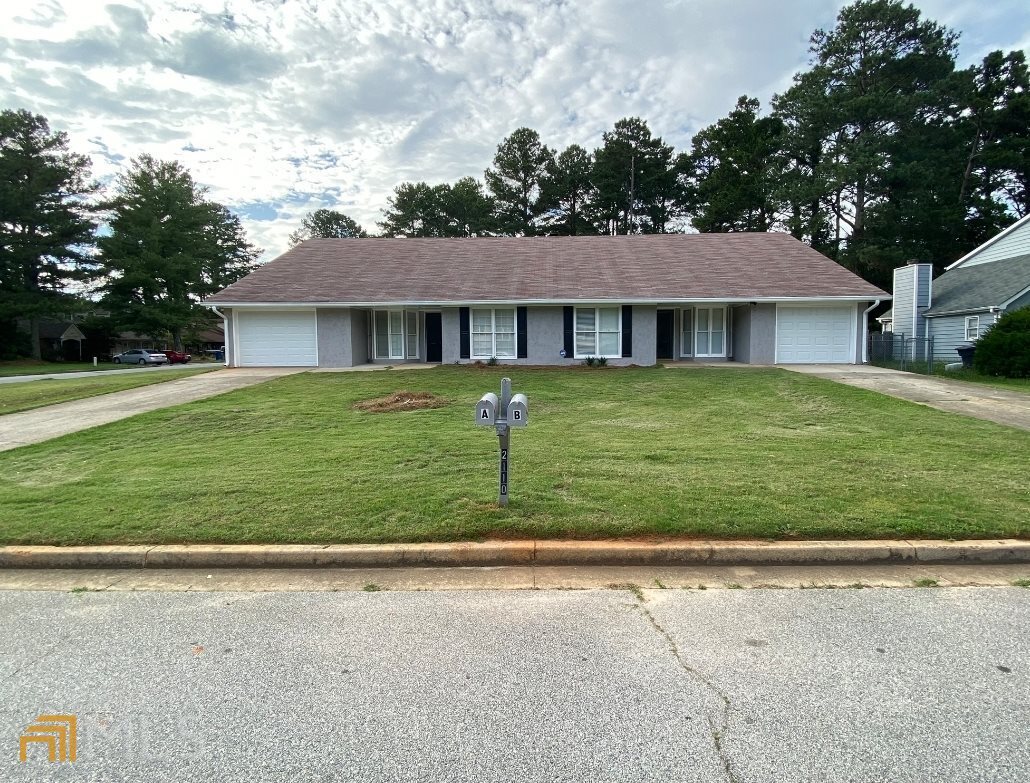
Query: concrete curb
[(519, 553)]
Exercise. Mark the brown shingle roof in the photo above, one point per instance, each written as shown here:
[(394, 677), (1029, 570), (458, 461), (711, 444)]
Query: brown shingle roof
[(659, 267)]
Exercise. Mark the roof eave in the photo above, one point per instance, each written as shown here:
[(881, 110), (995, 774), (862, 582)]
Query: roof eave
[(556, 302), (943, 313), (988, 243)]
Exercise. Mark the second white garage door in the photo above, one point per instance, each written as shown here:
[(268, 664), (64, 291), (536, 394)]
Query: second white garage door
[(277, 339), (815, 335)]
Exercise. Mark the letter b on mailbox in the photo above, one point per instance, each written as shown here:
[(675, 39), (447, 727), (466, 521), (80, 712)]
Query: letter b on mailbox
[(486, 410), (518, 411)]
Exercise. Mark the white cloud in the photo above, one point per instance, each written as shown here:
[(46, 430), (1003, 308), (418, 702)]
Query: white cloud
[(281, 108)]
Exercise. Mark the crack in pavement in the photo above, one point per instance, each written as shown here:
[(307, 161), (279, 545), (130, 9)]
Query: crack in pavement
[(717, 731)]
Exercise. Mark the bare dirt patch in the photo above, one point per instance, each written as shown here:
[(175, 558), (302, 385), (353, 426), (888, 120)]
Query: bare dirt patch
[(401, 401)]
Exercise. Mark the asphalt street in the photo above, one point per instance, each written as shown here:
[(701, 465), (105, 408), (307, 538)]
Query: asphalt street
[(586, 685)]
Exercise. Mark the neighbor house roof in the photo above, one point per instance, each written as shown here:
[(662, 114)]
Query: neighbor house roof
[(992, 241), (60, 330), (980, 287), (658, 267), (888, 316)]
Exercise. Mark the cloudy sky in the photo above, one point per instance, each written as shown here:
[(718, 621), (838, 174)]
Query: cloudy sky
[(284, 106)]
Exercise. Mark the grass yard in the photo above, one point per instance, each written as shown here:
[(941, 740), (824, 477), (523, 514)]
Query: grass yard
[(970, 376), (722, 452), (16, 397)]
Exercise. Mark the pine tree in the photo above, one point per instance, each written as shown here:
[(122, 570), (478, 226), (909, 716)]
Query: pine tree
[(567, 192), (733, 171), (515, 182), (326, 224), (46, 229), (167, 248), (636, 181)]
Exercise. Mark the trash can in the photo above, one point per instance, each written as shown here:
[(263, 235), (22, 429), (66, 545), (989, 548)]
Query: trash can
[(965, 353)]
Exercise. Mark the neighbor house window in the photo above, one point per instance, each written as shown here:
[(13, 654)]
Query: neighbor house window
[(709, 331), (392, 340), (493, 333), (972, 327), (598, 332)]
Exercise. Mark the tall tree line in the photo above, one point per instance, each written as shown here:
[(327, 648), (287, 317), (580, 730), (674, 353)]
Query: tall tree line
[(881, 151), (630, 184), (147, 254)]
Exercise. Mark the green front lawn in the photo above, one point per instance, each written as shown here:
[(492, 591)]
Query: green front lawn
[(16, 397), (972, 376), (723, 452)]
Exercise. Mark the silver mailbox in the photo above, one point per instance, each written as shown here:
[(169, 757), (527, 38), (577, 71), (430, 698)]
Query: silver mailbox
[(518, 411), (486, 410)]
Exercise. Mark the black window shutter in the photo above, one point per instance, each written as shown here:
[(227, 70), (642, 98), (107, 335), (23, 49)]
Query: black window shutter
[(627, 331), (521, 349), (570, 334), (465, 343)]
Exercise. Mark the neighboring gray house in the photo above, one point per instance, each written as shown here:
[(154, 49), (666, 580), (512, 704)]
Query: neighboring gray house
[(747, 297), (957, 307)]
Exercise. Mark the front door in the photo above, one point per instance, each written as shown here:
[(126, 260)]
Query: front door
[(434, 338), (666, 334)]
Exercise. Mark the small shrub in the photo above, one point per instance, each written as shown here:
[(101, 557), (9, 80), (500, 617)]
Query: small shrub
[(492, 361), (590, 361), (602, 361), (1004, 349)]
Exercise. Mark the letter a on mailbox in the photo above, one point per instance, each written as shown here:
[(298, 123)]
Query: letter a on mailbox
[(486, 410)]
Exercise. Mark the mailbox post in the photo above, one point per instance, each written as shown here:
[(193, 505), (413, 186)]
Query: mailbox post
[(503, 413)]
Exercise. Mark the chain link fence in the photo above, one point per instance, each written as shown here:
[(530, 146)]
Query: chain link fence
[(898, 352)]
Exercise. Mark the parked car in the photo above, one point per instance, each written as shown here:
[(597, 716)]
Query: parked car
[(177, 357), (141, 356)]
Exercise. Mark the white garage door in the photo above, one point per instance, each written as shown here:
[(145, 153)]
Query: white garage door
[(815, 335), (277, 339)]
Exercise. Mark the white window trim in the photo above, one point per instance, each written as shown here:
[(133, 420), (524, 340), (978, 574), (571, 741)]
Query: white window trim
[(725, 332), (493, 333), (404, 335), (597, 333), (687, 319), (974, 321)]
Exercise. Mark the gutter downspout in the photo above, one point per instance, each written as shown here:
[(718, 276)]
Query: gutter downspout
[(225, 328), (865, 330)]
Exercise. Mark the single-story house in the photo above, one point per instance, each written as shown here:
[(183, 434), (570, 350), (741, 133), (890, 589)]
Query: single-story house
[(957, 307), (759, 298), (61, 339)]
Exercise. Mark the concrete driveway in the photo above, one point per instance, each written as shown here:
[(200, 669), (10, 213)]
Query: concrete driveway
[(35, 426), (1003, 406)]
